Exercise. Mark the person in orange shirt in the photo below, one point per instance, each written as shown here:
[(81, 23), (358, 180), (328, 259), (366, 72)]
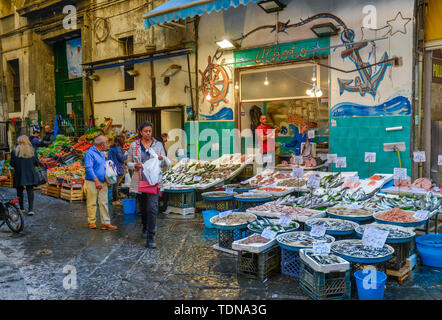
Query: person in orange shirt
[(266, 137)]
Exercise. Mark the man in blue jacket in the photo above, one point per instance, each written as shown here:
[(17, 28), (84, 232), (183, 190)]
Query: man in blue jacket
[(95, 184), (298, 139)]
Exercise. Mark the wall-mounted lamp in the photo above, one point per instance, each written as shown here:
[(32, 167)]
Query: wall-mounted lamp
[(270, 6), (325, 30), (227, 44)]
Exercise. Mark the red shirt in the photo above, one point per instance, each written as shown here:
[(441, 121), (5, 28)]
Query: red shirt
[(266, 130)]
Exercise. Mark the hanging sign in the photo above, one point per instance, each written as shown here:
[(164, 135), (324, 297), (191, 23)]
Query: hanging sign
[(419, 156)]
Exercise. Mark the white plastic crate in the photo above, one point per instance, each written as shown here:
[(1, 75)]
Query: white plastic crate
[(342, 266), (252, 247)]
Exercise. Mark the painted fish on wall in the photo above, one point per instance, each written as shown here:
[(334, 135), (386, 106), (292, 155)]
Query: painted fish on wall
[(224, 114), (398, 106)]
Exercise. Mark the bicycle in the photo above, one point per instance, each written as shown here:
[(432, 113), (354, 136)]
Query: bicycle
[(11, 214)]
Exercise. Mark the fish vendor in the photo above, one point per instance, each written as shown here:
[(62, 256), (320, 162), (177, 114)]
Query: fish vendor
[(298, 139), (266, 137)]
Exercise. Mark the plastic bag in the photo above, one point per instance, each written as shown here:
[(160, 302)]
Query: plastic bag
[(127, 179), (152, 168), (111, 174)]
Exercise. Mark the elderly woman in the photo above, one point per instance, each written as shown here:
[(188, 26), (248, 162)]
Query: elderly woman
[(24, 161), (139, 153)]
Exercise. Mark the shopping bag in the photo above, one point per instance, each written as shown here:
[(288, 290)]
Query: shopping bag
[(152, 168), (111, 174), (40, 175)]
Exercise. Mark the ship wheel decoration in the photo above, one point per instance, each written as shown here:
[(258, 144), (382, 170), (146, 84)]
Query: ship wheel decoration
[(214, 83)]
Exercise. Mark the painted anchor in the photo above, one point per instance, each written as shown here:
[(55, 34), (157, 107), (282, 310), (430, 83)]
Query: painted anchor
[(366, 82)]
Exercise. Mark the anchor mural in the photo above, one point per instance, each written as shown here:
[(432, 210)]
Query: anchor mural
[(366, 82)]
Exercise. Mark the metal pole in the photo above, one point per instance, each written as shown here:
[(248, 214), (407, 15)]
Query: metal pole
[(427, 111)]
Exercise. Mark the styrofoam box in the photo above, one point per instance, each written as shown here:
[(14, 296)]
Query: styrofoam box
[(343, 266), (252, 247)]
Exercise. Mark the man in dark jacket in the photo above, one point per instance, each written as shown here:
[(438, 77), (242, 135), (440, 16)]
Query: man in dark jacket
[(48, 138), (35, 138)]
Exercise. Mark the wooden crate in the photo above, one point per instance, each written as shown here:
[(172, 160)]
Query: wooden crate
[(53, 190), (7, 183), (44, 189), (72, 190)]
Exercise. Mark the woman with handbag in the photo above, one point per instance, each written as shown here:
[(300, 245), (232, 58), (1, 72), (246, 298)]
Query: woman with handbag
[(24, 161), (140, 151)]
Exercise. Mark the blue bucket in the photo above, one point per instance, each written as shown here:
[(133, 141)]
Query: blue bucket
[(376, 286), (429, 247), (129, 206), (207, 215)]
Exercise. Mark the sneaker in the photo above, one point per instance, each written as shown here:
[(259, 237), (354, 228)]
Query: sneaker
[(30, 213), (150, 244), (92, 226), (108, 227)]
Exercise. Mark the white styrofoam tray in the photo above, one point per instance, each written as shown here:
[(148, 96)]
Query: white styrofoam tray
[(343, 266), (252, 247)]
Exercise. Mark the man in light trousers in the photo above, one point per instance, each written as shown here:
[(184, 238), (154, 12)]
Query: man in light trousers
[(95, 184)]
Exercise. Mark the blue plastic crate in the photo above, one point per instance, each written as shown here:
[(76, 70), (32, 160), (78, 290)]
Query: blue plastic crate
[(180, 198), (290, 263), (325, 286)]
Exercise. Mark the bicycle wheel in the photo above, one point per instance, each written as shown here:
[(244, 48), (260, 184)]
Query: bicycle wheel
[(14, 218)]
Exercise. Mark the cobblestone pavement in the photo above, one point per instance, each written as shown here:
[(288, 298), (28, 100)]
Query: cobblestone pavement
[(56, 245)]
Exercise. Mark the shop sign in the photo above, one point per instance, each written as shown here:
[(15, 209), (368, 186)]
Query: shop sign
[(437, 70), (283, 52)]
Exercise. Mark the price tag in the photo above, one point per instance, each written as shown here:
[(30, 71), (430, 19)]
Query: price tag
[(419, 156), (355, 206), (311, 134), (225, 213), (318, 231), (180, 152), (285, 219), (268, 233), (215, 146), (321, 248), (374, 237), (331, 158), (421, 214), (313, 182), (267, 158), (196, 178), (298, 172), (341, 162), (439, 160), (370, 157), (229, 190), (353, 179), (299, 160), (400, 173)]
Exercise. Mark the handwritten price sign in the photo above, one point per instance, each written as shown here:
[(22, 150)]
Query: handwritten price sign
[(341, 162), (268, 233), (285, 219), (419, 156), (331, 158), (421, 214), (400, 173), (298, 160), (374, 237), (370, 157), (321, 248), (313, 182), (225, 213), (318, 231), (298, 172), (311, 134)]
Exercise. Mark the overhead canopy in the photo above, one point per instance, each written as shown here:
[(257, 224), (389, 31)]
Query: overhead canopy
[(174, 10)]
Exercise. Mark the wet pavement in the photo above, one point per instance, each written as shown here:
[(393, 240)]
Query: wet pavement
[(56, 247)]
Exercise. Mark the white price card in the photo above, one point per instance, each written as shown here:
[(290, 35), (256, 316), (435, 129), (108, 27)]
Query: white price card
[(355, 206), (313, 182), (298, 172), (318, 231), (180, 152), (374, 237), (439, 160), (167, 212), (321, 248), (298, 160), (285, 219), (268, 233), (353, 179), (266, 158), (224, 213), (421, 214), (419, 156), (341, 162), (197, 178), (400, 173), (229, 190), (331, 158), (215, 146), (370, 157), (311, 134)]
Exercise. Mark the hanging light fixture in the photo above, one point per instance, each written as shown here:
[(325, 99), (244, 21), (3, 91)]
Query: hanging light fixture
[(236, 86), (266, 81), (208, 97), (314, 91)]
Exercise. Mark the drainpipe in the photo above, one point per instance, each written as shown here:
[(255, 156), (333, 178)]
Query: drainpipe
[(427, 111)]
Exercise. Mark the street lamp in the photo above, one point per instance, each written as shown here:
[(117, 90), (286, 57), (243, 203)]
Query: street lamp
[(227, 44)]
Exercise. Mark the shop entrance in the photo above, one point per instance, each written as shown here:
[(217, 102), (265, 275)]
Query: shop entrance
[(279, 92)]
